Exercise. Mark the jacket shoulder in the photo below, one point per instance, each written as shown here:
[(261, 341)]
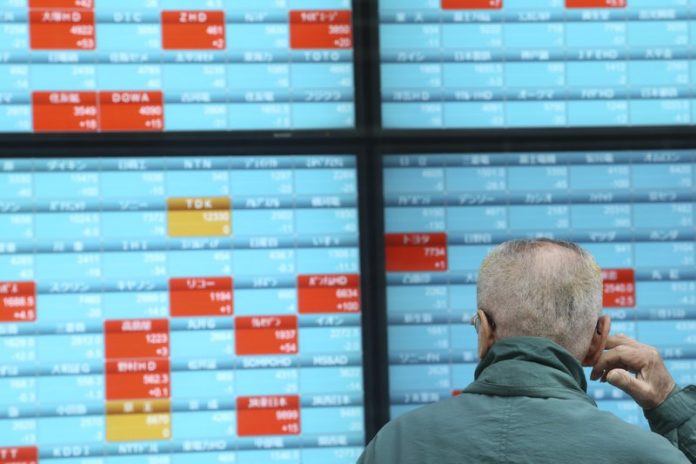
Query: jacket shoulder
[(445, 432), (516, 430), (643, 446)]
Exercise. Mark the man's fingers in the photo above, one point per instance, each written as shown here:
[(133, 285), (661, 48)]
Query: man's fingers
[(622, 352), (616, 340), (623, 358), (622, 379), (633, 387), (617, 358)]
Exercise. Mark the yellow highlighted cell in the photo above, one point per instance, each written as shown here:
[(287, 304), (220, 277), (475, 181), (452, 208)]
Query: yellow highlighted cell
[(198, 203), (199, 217), (138, 407), (138, 427), (138, 420)]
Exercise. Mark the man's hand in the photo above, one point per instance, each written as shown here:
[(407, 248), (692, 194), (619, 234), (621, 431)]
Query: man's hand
[(651, 384)]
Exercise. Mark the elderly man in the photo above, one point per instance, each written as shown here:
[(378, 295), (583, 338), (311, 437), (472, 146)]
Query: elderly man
[(538, 322)]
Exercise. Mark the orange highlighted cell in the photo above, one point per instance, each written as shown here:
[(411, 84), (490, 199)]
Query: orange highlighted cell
[(136, 338), (266, 335), (268, 415), (193, 30), (595, 3), (332, 293), (62, 4), (425, 252), (199, 216), (19, 455), (65, 111), (619, 288), (472, 4), (321, 29), (137, 379), (200, 296), (131, 111), (17, 301), (62, 29)]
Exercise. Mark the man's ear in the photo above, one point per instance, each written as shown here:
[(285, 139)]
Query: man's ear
[(599, 341), (486, 335)]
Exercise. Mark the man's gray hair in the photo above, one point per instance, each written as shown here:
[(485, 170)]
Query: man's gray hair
[(542, 288)]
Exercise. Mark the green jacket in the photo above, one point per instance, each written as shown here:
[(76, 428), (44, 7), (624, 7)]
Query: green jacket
[(529, 404)]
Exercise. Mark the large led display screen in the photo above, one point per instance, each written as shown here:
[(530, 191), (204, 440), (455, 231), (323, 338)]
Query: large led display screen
[(180, 310), (175, 65), (634, 211), (464, 64)]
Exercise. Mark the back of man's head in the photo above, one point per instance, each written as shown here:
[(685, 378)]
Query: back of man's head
[(542, 288)]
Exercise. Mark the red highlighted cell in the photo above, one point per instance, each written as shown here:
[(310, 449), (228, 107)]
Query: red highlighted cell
[(136, 338), (193, 30), (321, 29), (472, 4), (17, 302), (333, 293), (19, 455), (62, 4), (268, 415), (65, 111), (131, 379), (265, 335), (62, 29), (201, 296), (595, 3), (416, 252), (619, 288), (131, 111)]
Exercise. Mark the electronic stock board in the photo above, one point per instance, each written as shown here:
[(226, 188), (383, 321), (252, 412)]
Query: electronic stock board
[(180, 310), (634, 211), (486, 64), (175, 65)]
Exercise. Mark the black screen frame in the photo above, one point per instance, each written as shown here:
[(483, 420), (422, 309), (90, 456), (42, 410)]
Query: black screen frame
[(370, 143), (361, 19), (507, 145), (371, 314), (478, 135)]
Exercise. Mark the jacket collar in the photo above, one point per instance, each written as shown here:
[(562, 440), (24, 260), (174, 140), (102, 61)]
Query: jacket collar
[(530, 366)]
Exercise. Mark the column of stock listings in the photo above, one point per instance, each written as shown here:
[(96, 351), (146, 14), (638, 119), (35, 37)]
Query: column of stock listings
[(180, 310), (537, 63), (634, 211), (175, 65)]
